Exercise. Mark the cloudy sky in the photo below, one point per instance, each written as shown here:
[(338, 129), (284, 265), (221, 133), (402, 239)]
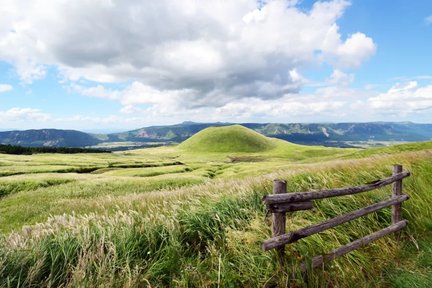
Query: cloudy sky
[(123, 64)]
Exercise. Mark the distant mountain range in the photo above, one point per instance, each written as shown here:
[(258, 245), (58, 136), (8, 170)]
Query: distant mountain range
[(48, 138), (328, 134)]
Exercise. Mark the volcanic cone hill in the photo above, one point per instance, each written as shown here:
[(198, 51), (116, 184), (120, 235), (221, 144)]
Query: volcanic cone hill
[(234, 138)]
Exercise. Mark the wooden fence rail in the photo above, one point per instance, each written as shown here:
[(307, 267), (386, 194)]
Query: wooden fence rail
[(281, 202)]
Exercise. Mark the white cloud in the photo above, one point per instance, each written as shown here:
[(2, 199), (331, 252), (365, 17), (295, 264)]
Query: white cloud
[(173, 99), (136, 93), (5, 88), (23, 114), (354, 51), (292, 107), (202, 53), (335, 102), (428, 20), (130, 109), (404, 99), (339, 78)]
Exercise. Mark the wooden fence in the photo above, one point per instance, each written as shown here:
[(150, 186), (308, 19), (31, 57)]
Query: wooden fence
[(281, 202)]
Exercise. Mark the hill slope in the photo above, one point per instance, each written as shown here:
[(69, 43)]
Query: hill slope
[(177, 133), (234, 138), (48, 138)]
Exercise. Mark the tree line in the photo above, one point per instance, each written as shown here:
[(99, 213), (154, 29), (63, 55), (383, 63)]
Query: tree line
[(20, 150)]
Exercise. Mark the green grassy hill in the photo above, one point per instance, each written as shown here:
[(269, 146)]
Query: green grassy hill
[(239, 142), (234, 138)]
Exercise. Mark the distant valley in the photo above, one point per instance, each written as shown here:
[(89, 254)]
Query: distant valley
[(326, 134)]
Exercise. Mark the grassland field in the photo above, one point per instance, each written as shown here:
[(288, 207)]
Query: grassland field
[(191, 215)]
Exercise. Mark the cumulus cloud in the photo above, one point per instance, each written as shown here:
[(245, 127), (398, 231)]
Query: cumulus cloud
[(295, 107), (194, 53), (23, 114), (340, 78), (136, 93), (404, 98), (327, 101), (337, 102), (353, 51), (5, 88)]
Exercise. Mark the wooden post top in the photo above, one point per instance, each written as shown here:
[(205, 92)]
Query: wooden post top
[(279, 186)]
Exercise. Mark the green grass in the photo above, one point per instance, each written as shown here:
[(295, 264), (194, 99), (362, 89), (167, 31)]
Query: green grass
[(393, 149), (234, 138), (142, 220), (9, 187)]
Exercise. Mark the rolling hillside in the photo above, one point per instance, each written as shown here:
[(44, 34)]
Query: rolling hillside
[(179, 217)]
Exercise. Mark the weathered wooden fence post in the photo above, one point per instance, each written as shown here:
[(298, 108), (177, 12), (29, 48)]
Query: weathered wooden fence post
[(279, 218), (397, 190)]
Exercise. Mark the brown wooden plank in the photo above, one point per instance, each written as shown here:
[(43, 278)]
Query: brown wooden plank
[(319, 261), (397, 190), (311, 195), (290, 207), (279, 219), (319, 227)]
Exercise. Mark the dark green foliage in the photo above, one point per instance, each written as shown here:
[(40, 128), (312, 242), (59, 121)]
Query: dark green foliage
[(19, 150)]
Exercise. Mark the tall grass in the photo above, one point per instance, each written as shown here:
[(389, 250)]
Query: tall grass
[(210, 235)]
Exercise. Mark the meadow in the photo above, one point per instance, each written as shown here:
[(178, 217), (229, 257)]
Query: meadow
[(192, 216)]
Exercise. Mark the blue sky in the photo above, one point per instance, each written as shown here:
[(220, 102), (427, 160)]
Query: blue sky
[(119, 65)]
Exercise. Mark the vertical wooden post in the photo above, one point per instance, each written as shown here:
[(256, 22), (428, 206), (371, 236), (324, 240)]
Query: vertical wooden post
[(279, 219), (397, 190)]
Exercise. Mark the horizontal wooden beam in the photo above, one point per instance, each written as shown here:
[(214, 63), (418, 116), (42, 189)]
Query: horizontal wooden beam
[(318, 261), (311, 195), (319, 227), (290, 207)]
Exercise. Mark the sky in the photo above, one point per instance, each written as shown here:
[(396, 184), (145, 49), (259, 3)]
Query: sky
[(124, 64)]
